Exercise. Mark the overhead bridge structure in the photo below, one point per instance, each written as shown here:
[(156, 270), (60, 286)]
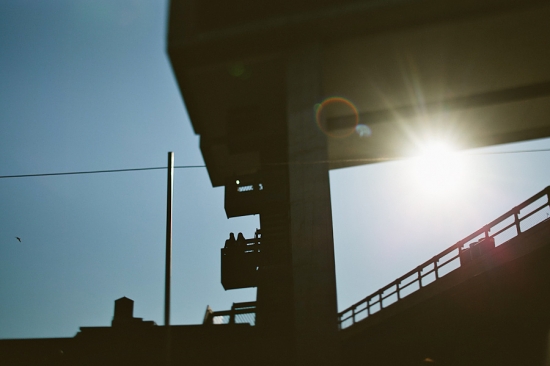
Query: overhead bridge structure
[(281, 92), (482, 301)]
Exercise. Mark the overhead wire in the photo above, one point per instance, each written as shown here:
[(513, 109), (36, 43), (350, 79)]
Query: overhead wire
[(99, 171), (359, 160)]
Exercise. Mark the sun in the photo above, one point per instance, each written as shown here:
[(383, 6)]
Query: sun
[(438, 171)]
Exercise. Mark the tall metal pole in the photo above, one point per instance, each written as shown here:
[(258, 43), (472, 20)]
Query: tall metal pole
[(168, 238)]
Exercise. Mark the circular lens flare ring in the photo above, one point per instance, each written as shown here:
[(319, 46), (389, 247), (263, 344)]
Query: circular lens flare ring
[(337, 102)]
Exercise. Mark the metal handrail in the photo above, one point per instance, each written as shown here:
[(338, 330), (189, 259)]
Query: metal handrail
[(238, 308), (379, 296)]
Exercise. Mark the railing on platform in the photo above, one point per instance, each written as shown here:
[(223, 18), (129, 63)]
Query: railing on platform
[(240, 260), (240, 313), (514, 222)]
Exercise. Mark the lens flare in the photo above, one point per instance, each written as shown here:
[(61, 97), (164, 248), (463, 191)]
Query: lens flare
[(363, 130), (336, 117), (239, 70), (439, 171)]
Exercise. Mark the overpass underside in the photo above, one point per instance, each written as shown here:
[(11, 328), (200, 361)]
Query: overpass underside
[(492, 311), (281, 92)]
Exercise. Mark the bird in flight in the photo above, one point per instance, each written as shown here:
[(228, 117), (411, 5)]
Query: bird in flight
[(18, 238)]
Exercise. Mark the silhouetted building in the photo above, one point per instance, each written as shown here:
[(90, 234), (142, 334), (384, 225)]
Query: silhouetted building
[(124, 314), (132, 341)]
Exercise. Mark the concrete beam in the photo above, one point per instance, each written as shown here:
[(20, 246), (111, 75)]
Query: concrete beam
[(314, 279)]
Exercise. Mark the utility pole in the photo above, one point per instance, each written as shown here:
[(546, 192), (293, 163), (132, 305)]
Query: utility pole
[(168, 238)]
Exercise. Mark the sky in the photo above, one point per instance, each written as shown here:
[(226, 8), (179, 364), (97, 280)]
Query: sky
[(87, 85)]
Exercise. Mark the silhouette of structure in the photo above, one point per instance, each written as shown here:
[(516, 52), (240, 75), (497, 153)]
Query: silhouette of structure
[(482, 301), (301, 87), (132, 341), (490, 308), (240, 261), (277, 73), (124, 314)]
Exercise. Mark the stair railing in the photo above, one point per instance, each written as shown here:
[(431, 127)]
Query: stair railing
[(505, 227)]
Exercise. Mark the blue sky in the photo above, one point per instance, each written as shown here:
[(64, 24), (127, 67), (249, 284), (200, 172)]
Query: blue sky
[(86, 85)]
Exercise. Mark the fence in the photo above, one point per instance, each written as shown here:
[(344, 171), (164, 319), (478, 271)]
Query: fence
[(240, 313), (514, 222)]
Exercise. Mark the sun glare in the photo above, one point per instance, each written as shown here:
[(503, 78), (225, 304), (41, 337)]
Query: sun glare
[(438, 171)]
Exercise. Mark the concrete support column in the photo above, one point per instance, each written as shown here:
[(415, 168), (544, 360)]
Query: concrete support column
[(314, 279)]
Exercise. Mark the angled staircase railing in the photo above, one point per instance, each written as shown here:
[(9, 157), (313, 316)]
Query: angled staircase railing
[(509, 225)]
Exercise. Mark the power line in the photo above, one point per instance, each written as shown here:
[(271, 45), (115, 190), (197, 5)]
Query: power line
[(506, 152), (100, 171), (366, 160), (394, 158)]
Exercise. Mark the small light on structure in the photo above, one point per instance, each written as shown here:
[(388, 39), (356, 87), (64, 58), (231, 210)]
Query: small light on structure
[(238, 181)]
